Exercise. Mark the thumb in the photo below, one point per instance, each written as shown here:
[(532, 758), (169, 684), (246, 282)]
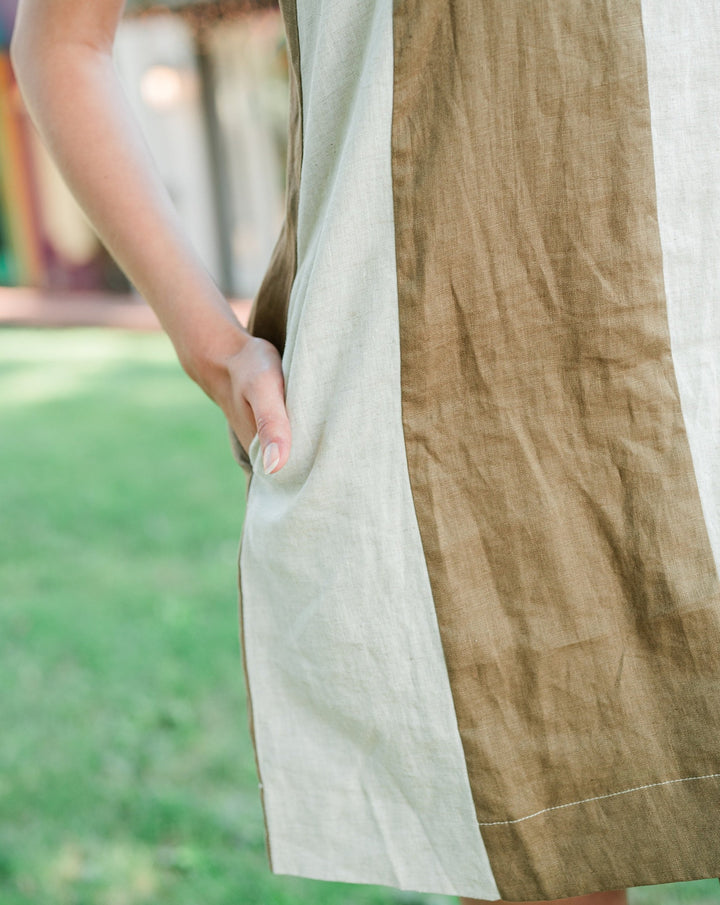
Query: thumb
[(273, 432)]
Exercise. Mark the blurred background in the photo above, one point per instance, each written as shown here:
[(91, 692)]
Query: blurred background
[(208, 85), (127, 773)]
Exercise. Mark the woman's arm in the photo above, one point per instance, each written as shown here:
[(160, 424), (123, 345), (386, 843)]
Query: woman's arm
[(61, 51)]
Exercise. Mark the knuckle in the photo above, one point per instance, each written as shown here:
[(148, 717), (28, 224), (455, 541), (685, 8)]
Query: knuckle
[(263, 424), (270, 426)]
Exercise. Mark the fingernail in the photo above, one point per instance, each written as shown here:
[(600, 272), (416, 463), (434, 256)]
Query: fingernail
[(271, 456)]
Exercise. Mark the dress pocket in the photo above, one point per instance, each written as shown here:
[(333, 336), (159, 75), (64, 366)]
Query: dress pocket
[(244, 459)]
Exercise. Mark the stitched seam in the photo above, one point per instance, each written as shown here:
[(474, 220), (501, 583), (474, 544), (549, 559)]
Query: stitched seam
[(556, 807)]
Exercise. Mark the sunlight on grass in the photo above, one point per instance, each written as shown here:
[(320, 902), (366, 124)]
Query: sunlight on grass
[(43, 369), (92, 344), (120, 874)]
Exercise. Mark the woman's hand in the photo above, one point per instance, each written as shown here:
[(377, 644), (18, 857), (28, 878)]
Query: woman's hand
[(248, 385), (62, 54)]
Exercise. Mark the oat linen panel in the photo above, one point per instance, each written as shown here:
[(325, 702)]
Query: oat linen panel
[(362, 769)]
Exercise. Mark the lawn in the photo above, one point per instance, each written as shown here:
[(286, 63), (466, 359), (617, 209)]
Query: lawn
[(126, 768)]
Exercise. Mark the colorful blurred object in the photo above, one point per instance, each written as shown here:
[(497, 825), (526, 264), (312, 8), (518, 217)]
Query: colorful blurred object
[(7, 20)]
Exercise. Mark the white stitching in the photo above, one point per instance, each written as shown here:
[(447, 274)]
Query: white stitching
[(598, 797)]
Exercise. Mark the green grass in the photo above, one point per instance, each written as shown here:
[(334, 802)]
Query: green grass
[(126, 768)]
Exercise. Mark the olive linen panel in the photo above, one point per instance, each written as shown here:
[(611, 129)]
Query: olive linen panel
[(575, 585)]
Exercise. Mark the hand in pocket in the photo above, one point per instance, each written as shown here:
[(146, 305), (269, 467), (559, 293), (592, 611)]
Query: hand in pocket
[(250, 389)]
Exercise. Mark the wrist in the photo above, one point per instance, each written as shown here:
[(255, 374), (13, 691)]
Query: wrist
[(206, 358)]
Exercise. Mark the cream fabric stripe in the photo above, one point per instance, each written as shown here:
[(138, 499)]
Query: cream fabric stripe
[(683, 66), (363, 772)]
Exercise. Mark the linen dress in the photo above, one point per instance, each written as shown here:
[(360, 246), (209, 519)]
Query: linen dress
[(480, 604)]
